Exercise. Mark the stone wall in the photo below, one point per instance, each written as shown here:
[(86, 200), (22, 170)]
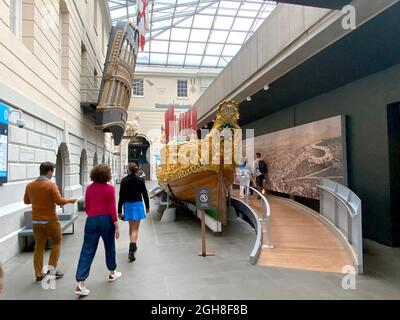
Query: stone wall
[(41, 74)]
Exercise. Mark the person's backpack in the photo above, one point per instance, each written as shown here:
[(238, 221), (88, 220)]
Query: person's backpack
[(262, 166)]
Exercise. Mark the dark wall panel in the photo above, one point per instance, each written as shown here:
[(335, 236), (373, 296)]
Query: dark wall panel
[(364, 102), (394, 166)]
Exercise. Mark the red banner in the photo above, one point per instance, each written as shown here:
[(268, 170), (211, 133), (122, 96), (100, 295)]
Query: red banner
[(194, 118), (185, 120), (169, 116)]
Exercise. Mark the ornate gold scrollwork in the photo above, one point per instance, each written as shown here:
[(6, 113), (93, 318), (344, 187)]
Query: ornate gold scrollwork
[(227, 118)]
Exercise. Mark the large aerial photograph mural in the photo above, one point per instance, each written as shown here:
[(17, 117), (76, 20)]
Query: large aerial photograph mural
[(298, 157)]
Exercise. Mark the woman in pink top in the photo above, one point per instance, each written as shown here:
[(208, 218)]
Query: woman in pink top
[(102, 221)]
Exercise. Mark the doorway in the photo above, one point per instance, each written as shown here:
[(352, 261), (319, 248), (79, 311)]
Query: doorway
[(83, 170), (62, 162), (138, 149), (60, 172)]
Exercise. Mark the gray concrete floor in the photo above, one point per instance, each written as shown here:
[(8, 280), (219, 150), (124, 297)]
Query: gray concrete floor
[(167, 267)]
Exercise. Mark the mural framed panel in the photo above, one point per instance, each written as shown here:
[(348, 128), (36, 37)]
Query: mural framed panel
[(297, 158)]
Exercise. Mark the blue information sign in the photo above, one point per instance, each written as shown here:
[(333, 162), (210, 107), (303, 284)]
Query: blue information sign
[(4, 111)]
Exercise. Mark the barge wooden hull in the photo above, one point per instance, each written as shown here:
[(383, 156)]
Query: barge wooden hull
[(185, 189)]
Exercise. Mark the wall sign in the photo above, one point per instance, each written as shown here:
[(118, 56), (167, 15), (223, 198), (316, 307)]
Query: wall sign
[(203, 198), (4, 111)]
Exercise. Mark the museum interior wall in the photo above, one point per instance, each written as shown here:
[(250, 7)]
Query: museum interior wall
[(371, 161), (50, 54)]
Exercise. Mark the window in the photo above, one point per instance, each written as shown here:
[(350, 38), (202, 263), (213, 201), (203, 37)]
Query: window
[(15, 17), (182, 88), (138, 87)]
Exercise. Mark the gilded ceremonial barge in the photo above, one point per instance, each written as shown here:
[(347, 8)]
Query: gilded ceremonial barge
[(209, 162)]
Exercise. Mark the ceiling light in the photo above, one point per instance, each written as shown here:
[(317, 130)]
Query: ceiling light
[(248, 98)]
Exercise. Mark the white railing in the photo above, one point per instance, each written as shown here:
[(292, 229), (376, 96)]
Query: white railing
[(265, 218), (342, 208)]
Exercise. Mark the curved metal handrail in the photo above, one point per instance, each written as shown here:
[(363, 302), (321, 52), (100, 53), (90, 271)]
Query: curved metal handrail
[(263, 198), (348, 221), (265, 216), (350, 210), (255, 252)]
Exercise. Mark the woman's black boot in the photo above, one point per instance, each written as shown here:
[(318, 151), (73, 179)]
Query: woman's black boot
[(132, 250)]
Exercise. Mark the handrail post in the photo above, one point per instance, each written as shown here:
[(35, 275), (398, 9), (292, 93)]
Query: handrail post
[(265, 218), (267, 244)]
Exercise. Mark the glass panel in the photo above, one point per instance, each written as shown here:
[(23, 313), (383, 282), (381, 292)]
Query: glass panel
[(170, 23), (219, 36), (180, 34), (242, 24), (199, 35), (185, 1), (227, 12), (161, 24), (202, 21), (159, 46), (250, 6), (193, 60), (143, 58), (236, 37), (158, 58), (210, 61), (230, 50), (224, 23), (174, 59), (177, 47), (214, 49), (222, 63), (209, 11), (119, 13), (187, 23), (162, 35), (196, 48)]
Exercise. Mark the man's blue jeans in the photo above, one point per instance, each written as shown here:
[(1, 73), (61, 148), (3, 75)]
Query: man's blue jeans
[(96, 227)]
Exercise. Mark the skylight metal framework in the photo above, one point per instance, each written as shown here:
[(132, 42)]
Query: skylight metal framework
[(195, 33)]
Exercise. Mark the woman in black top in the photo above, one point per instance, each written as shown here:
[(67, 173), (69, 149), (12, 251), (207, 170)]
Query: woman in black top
[(133, 188)]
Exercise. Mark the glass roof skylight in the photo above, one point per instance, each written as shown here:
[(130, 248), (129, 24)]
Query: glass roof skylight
[(195, 33)]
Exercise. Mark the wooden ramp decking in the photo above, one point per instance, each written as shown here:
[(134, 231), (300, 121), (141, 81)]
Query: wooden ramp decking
[(300, 239)]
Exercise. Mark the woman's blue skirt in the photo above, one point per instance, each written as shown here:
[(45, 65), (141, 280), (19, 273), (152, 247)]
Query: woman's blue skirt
[(134, 211)]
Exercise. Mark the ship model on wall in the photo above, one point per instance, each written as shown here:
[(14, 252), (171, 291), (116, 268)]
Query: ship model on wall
[(209, 162), (116, 87)]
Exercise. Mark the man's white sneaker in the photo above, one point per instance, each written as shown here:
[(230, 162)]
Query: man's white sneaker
[(81, 291), (114, 276)]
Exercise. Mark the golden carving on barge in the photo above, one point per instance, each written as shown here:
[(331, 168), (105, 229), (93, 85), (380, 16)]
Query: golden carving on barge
[(208, 162)]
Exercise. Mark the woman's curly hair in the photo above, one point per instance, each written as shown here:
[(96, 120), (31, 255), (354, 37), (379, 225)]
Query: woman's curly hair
[(101, 173)]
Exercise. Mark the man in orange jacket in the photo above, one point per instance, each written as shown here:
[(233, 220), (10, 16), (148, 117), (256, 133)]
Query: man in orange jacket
[(44, 195)]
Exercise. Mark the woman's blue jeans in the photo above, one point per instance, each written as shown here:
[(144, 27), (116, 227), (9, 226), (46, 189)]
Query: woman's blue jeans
[(96, 227)]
